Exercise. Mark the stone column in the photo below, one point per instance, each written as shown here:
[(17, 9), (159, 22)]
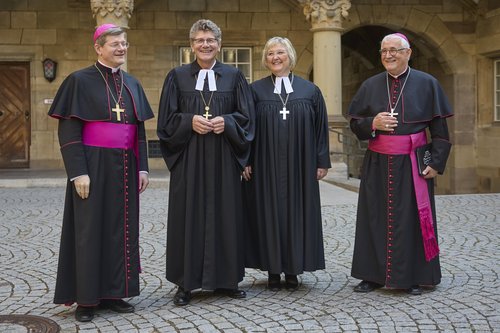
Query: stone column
[(326, 20), (117, 12), (112, 11)]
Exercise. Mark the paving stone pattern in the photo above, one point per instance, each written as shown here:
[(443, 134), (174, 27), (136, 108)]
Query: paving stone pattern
[(467, 300)]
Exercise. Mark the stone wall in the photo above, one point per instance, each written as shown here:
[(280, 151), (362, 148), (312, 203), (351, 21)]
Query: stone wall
[(456, 41)]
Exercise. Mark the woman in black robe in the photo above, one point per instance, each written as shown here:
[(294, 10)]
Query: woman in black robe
[(290, 153)]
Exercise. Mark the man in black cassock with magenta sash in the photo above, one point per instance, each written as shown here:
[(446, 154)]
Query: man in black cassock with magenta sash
[(205, 129), (396, 243), (101, 111)]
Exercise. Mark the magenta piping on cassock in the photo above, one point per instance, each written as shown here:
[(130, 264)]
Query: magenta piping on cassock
[(406, 144)]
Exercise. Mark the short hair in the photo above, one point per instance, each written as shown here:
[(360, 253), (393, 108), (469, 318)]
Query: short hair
[(101, 40), (205, 25), (398, 36), (292, 55)]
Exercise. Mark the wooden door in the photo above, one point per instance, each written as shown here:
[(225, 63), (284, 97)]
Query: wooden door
[(15, 129)]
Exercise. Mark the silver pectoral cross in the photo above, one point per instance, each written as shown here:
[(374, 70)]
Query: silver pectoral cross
[(392, 114), (284, 112)]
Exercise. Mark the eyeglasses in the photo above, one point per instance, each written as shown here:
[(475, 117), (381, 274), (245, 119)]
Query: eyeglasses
[(201, 41), (392, 52), (116, 45)]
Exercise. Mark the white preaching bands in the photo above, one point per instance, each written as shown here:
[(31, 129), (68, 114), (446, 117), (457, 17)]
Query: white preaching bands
[(200, 82), (286, 82)]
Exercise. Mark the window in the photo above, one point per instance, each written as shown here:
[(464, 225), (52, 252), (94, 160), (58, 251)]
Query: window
[(497, 91), (239, 57)]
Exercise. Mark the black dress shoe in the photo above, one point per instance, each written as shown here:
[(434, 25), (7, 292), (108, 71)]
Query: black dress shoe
[(291, 282), (274, 282), (84, 313), (414, 290), (367, 286), (233, 293), (182, 297), (117, 305)]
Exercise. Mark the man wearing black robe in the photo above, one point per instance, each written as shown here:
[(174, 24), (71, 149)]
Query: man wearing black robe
[(205, 139), (390, 245), (99, 252)]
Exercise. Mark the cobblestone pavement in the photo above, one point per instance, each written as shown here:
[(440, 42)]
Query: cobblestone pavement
[(467, 300)]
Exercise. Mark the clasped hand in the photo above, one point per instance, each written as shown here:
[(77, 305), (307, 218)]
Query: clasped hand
[(201, 125)]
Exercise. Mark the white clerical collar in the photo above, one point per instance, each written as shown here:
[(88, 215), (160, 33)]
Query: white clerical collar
[(396, 76), (113, 69), (200, 82), (286, 83)]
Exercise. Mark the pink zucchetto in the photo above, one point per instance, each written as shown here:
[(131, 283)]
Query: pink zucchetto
[(102, 29), (402, 36)]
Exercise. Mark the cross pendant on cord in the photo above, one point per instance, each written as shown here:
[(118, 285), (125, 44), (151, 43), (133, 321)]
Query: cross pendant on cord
[(284, 112), (206, 114), (118, 111), (392, 114)]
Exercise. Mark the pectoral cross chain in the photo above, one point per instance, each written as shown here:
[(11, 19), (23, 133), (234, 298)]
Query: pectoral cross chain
[(118, 111), (284, 112)]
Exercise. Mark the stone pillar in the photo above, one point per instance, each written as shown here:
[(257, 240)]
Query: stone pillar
[(112, 11), (326, 20)]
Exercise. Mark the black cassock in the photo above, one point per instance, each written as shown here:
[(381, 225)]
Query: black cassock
[(204, 232), (394, 256), (99, 252), (283, 217)]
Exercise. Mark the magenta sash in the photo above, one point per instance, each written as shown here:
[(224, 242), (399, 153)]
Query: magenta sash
[(110, 135), (404, 145)]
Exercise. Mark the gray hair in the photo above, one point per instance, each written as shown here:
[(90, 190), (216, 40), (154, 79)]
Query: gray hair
[(404, 42), (101, 40), (205, 25), (292, 55)]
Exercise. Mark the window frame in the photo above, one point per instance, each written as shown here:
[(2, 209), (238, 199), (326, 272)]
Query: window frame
[(496, 90), (185, 53)]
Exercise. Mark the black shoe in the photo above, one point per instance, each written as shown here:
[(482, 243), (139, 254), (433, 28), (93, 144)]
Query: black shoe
[(273, 282), (367, 286), (117, 305), (84, 313), (291, 282), (182, 297), (233, 293), (414, 290)]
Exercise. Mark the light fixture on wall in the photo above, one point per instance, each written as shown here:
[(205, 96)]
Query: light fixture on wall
[(49, 69)]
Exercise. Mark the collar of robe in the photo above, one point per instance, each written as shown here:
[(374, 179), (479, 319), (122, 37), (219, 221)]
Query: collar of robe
[(285, 81)]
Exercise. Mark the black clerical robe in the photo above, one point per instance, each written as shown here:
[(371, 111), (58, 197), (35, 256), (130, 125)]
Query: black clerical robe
[(388, 245), (99, 251), (204, 232), (283, 212)]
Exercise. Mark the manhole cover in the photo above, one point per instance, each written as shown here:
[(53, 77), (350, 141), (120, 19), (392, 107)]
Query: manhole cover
[(33, 324)]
